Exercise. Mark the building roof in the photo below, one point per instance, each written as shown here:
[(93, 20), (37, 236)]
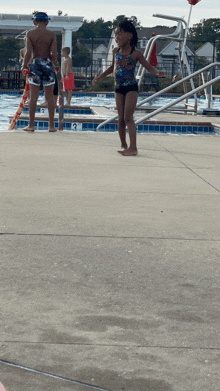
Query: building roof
[(171, 49), (19, 22), (205, 50)]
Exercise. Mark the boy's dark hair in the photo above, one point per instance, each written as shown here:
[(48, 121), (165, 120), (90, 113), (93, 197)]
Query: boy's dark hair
[(128, 27), (66, 49), (41, 17)]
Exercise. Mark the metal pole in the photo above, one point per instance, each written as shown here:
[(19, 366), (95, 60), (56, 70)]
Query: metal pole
[(213, 59), (92, 60), (186, 33)]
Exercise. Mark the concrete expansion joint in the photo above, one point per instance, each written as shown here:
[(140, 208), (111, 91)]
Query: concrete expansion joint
[(190, 169), (193, 348), (110, 237)]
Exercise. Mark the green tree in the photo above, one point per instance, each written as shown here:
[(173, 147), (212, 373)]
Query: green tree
[(97, 28), (208, 30), (81, 56), (9, 52), (119, 19)]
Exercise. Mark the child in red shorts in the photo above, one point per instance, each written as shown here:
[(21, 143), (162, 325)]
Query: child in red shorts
[(68, 77)]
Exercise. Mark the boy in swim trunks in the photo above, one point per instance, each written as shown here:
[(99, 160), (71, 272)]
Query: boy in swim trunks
[(68, 78), (42, 43)]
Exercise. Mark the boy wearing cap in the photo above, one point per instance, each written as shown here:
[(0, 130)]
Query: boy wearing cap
[(42, 44)]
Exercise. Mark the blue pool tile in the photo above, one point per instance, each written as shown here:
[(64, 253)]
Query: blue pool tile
[(173, 129), (206, 129), (46, 124), (195, 129), (146, 128), (184, 129), (90, 125), (162, 128), (167, 128), (201, 128), (151, 127)]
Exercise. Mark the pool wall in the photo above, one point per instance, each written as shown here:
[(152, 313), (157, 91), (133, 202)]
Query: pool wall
[(83, 119), (151, 127)]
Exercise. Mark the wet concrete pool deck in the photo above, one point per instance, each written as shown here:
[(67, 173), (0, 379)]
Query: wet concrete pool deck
[(110, 265)]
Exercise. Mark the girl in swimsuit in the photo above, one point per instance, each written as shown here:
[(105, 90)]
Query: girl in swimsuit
[(125, 58)]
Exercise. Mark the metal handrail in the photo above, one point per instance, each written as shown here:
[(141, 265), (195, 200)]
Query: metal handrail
[(185, 96), (190, 93), (175, 36), (150, 115)]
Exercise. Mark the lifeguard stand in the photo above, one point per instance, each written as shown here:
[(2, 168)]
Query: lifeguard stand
[(177, 36)]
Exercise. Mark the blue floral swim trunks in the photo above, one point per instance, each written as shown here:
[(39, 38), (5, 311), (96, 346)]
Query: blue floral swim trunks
[(41, 72)]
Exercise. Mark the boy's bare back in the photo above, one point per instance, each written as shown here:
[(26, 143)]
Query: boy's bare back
[(43, 43)]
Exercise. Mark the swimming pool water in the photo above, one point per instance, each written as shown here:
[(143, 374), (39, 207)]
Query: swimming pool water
[(9, 103)]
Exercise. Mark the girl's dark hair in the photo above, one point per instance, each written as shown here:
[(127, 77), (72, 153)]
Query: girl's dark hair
[(128, 27)]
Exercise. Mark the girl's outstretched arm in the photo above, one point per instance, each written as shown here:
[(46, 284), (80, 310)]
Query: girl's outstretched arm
[(107, 72), (138, 56)]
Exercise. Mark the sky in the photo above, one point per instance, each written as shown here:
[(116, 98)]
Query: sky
[(142, 9)]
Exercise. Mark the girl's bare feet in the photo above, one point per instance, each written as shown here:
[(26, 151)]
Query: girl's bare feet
[(123, 147), (129, 152), (52, 129), (29, 129)]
